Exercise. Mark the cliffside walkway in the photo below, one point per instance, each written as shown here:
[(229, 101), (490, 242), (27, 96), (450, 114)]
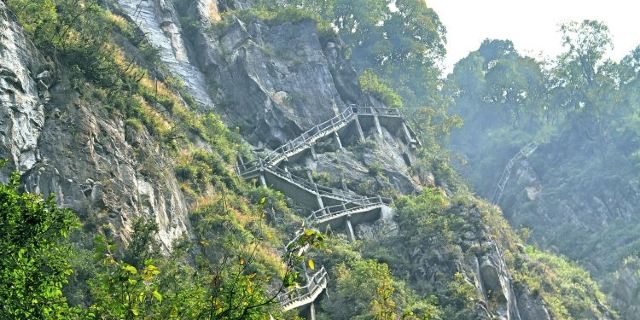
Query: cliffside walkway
[(300, 187), (308, 138), (368, 210), (299, 297), (335, 207), (525, 152)]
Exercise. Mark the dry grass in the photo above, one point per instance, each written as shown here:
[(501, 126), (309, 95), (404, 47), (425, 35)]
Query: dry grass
[(214, 14)]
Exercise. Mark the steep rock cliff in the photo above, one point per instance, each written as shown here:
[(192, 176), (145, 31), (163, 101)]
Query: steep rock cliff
[(272, 80), (73, 148)]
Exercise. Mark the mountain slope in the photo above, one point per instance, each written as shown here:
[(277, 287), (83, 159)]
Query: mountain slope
[(122, 140)]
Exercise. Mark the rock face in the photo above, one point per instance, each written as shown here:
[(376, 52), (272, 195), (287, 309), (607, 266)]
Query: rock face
[(478, 258), (625, 290), (159, 22), (271, 80), (22, 96), (580, 207), (79, 152), (91, 167), (278, 74)]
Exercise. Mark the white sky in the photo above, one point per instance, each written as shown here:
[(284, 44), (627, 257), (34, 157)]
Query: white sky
[(532, 25)]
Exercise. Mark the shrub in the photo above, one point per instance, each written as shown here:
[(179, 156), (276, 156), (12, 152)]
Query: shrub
[(371, 84), (34, 265)]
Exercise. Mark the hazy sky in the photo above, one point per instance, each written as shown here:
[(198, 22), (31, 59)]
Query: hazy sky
[(532, 24)]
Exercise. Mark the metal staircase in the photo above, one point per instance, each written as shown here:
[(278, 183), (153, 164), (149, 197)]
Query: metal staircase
[(525, 152), (309, 137), (328, 214), (306, 185), (350, 204), (299, 297)]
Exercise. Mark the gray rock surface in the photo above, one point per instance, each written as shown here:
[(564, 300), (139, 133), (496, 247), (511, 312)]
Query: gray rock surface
[(21, 98), (161, 26), (590, 218), (79, 152), (279, 74), (273, 81)]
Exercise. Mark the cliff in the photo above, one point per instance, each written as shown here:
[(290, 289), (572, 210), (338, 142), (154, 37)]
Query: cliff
[(271, 79)]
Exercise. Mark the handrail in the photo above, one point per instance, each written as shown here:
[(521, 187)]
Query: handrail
[(320, 189), (331, 212), (525, 152), (299, 233), (320, 130), (316, 283)]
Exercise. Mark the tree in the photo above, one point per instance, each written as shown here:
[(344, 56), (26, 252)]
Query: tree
[(587, 44), (374, 286), (584, 83), (34, 265)]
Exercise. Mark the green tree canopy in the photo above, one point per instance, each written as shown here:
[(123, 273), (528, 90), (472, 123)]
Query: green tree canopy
[(34, 265)]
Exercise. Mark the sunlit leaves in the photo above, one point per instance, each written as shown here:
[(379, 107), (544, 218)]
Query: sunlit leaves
[(34, 265)]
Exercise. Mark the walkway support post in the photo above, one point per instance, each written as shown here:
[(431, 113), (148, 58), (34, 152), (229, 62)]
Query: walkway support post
[(376, 121), (359, 129), (312, 311), (314, 155), (406, 133), (319, 198), (315, 187), (352, 235), (263, 181), (338, 141)]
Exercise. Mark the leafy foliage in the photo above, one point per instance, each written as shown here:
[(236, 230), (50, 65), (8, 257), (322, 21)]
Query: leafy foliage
[(567, 289), (581, 107), (34, 265), (370, 83)]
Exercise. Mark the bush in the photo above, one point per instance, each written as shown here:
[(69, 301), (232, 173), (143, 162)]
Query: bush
[(371, 84), (34, 265)]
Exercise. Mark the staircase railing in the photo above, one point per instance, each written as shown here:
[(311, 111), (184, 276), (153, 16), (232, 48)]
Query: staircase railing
[(317, 131), (323, 191), (323, 129), (525, 152), (330, 212), (351, 202), (297, 297)]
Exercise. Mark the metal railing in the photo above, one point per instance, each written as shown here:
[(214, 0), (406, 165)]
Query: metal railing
[(323, 191), (297, 297), (525, 152), (307, 138), (333, 212), (351, 202)]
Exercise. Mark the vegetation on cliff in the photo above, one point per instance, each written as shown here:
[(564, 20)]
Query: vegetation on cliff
[(231, 266), (575, 192)]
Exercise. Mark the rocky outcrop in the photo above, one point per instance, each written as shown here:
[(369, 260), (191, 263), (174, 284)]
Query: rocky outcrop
[(587, 215), (479, 259), (278, 74), (271, 80), (90, 165), (531, 307), (625, 289), (158, 20), (64, 145), (24, 80)]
